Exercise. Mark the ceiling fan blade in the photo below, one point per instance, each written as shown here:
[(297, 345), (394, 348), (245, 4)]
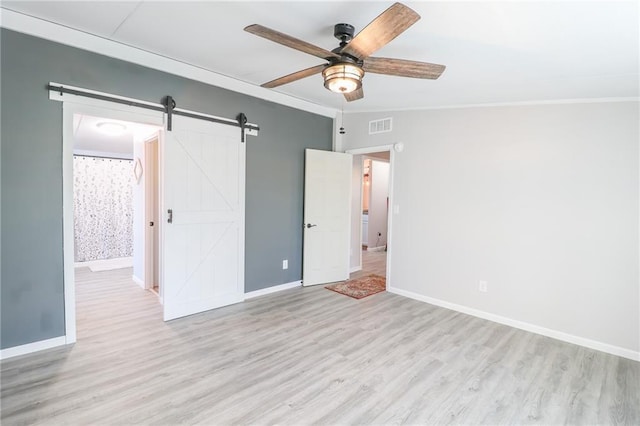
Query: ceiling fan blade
[(403, 68), (289, 41), (294, 76), (355, 95), (387, 26)]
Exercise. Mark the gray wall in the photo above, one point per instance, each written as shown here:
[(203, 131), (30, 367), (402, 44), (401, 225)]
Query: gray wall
[(32, 300), (540, 201)]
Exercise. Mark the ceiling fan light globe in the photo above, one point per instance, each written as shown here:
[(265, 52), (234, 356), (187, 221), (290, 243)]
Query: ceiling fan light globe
[(342, 85), (343, 78)]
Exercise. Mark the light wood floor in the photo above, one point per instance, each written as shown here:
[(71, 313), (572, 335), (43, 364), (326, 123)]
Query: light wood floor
[(308, 355), (373, 262)]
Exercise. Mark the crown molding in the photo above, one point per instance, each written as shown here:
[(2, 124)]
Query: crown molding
[(506, 104)]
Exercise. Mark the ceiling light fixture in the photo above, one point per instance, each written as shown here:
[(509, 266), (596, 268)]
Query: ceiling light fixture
[(111, 128), (343, 77)]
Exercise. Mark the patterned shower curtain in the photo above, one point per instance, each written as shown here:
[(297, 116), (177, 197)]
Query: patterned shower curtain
[(103, 208)]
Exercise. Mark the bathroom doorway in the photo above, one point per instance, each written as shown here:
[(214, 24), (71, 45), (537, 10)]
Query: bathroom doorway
[(115, 189)]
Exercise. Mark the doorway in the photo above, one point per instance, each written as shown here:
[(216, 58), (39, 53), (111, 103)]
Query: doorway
[(99, 124), (372, 198), (115, 192), (375, 211)]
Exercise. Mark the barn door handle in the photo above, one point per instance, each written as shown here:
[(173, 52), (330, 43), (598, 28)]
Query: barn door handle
[(170, 218), (308, 225)]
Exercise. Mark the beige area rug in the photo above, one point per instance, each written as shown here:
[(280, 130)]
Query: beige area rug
[(106, 264), (360, 287)]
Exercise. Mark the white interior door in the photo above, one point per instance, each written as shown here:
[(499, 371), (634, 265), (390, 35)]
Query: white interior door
[(327, 203), (203, 235)]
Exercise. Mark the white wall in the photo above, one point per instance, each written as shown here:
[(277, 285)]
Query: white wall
[(540, 201), (378, 203), (139, 216), (355, 251), (366, 187)]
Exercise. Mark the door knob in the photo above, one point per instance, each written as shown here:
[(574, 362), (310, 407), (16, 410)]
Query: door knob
[(309, 225)]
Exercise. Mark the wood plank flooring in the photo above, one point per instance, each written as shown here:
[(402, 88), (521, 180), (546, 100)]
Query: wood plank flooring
[(308, 356), (373, 262)]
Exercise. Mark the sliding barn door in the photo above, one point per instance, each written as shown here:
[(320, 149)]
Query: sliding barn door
[(203, 210)]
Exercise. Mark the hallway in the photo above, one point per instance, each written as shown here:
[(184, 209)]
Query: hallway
[(373, 262)]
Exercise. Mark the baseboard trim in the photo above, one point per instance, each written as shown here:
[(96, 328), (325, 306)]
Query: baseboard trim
[(554, 334), (274, 289), (33, 347), (379, 248), (355, 269), (138, 281)]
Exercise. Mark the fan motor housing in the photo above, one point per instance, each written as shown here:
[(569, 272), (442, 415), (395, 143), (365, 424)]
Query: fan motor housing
[(343, 32)]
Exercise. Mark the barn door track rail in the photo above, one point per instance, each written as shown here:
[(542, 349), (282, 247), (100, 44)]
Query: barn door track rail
[(168, 106)]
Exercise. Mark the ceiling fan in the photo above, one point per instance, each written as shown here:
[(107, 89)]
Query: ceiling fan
[(346, 64)]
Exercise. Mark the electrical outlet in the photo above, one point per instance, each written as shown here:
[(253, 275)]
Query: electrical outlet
[(285, 264), (483, 286)]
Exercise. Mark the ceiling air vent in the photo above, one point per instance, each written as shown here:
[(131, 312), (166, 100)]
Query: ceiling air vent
[(380, 126)]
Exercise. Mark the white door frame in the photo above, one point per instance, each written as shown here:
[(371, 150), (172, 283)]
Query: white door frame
[(151, 186), (370, 150), (81, 105)]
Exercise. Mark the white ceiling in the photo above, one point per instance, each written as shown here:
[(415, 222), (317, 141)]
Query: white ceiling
[(495, 52), (88, 139)]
